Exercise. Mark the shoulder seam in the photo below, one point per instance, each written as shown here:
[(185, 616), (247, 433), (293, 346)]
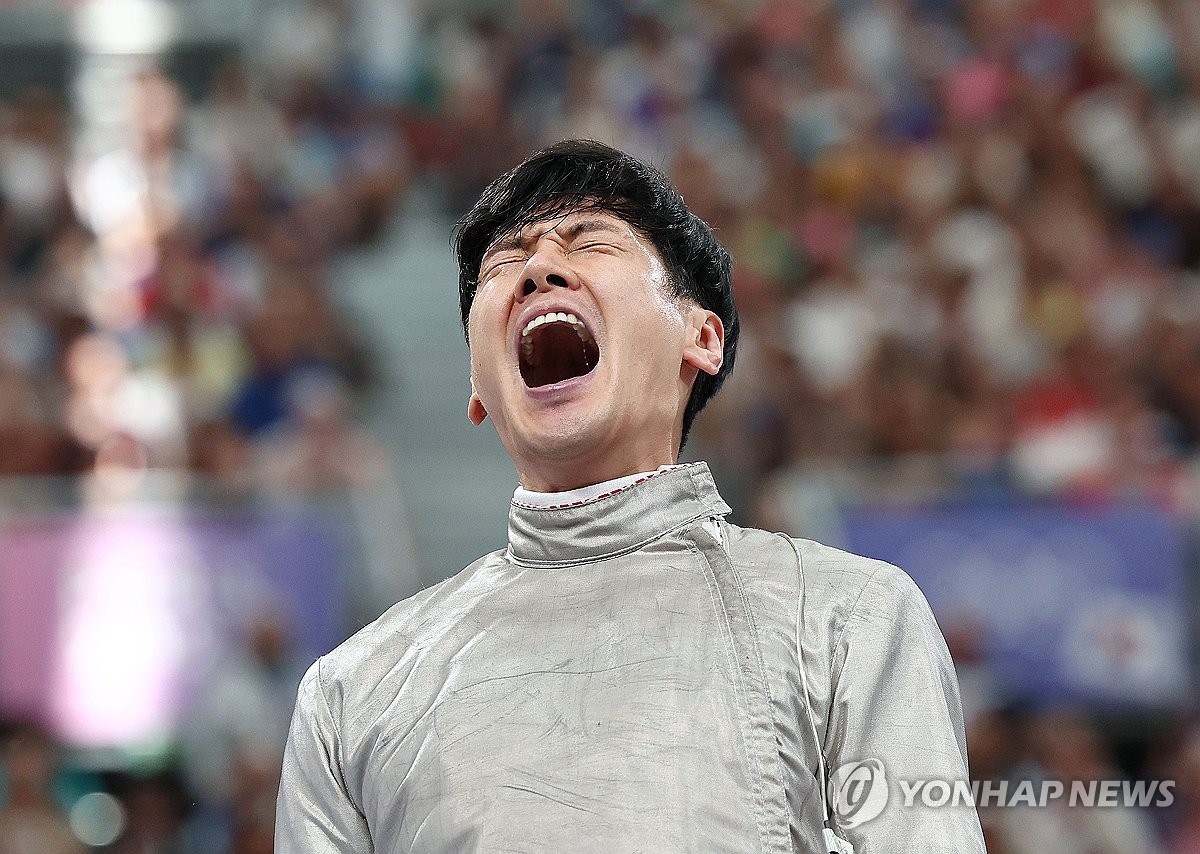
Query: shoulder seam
[(851, 615)]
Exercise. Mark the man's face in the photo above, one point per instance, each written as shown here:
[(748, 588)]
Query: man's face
[(578, 348)]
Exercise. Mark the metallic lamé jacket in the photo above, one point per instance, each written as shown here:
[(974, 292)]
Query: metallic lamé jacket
[(620, 680)]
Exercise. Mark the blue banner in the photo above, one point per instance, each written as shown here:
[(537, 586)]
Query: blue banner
[(1076, 604)]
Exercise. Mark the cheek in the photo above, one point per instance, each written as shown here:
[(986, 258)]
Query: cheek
[(654, 352), (483, 360), (490, 309), (477, 326), (486, 333), (486, 370)]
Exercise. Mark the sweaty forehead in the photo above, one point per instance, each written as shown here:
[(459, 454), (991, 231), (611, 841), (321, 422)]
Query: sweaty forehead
[(569, 226)]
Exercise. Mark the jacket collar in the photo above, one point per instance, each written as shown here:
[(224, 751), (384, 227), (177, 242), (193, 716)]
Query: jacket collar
[(613, 523)]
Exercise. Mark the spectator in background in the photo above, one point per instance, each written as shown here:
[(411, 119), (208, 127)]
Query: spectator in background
[(321, 450), (155, 807), (233, 741), (1065, 746), (31, 821), (34, 154), (151, 186), (1180, 761)]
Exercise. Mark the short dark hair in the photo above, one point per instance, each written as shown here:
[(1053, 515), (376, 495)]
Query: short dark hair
[(586, 175)]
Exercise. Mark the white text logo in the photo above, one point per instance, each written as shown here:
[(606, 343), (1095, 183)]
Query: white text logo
[(858, 792)]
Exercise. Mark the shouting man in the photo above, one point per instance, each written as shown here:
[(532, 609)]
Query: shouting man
[(632, 673)]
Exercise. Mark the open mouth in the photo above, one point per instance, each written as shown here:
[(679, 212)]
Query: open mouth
[(556, 346)]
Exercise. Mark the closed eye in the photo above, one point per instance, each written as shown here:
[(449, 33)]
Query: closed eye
[(495, 266)]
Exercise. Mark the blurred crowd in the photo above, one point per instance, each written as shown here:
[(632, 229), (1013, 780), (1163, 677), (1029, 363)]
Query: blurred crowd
[(214, 793), (961, 229), (969, 230), (964, 230), (166, 305)]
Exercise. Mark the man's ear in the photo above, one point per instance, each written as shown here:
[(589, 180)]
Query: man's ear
[(475, 411), (705, 350)]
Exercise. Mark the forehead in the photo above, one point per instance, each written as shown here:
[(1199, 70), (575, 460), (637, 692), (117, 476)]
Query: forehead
[(569, 225)]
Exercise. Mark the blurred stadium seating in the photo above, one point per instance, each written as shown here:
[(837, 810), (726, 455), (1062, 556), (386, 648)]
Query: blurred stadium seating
[(967, 243)]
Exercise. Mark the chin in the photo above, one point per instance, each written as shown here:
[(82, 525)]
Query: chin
[(571, 431)]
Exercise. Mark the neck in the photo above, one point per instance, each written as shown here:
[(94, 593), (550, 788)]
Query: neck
[(547, 478)]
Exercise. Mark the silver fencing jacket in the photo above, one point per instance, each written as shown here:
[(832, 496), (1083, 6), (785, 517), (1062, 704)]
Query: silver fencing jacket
[(620, 680)]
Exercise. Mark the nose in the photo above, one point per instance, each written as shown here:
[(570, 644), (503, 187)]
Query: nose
[(544, 273)]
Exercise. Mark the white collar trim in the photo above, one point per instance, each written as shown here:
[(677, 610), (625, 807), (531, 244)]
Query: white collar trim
[(528, 498)]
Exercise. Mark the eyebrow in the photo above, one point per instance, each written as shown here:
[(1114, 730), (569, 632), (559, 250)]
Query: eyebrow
[(571, 232)]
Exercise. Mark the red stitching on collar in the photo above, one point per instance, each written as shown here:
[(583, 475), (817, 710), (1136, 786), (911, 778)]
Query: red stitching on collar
[(612, 492)]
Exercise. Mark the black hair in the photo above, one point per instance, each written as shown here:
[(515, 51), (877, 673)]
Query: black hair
[(585, 175)]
